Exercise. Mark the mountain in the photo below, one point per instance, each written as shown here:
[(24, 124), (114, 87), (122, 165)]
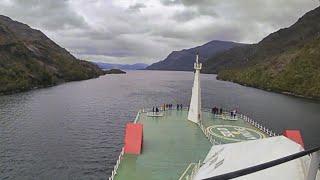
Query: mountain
[(29, 59), (183, 60), (286, 61), (136, 66)]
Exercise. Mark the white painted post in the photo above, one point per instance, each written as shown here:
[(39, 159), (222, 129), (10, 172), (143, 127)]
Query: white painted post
[(314, 165)]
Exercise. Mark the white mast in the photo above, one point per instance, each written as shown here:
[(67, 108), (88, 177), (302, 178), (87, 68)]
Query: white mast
[(194, 114)]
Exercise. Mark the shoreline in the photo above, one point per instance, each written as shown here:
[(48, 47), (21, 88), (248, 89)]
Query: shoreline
[(6, 93), (287, 93), (246, 85)]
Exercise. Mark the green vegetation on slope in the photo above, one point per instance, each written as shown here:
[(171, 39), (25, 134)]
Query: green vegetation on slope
[(286, 61), (114, 71), (29, 59), (296, 72)]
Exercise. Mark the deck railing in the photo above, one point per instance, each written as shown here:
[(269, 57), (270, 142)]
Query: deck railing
[(239, 115), (252, 122), (185, 174), (257, 125), (115, 168), (137, 117), (194, 171), (216, 142), (208, 135), (204, 130), (190, 176)]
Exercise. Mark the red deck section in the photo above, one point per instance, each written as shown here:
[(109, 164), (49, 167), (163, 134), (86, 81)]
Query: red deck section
[(294, 135), (133, 138)]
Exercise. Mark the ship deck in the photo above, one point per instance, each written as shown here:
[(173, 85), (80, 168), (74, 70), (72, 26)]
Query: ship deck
[(171, 143)]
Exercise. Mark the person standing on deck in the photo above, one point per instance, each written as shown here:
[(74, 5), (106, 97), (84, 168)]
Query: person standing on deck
[(221, 111), (153, 110), (177, 106), (181, 106), (214, 110), (234, 113)]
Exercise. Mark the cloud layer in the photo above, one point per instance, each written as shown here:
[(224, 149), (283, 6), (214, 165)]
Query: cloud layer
[(130, 31)]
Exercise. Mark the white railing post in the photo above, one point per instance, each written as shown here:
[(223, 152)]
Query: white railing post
[(314, 165), (137, 117)]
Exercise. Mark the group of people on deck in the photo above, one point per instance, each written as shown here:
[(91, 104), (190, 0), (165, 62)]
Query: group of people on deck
[(179, 107), (166, 106), (219, 111), (155, 109), (233, 114)]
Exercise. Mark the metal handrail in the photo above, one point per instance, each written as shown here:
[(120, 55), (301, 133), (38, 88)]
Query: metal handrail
[(257, 125), (186, 170), (263, 166), (208, 135), (137, 117), (252, 122), (245, 118), (204, 130), (115, 168)]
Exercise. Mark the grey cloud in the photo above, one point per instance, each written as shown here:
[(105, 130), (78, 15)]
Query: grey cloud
[(45, 14), (136, 7), (170, 2), (185, 15), (147, 31), (189, 2)]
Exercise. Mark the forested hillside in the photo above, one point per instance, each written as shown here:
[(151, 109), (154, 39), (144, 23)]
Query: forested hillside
[(29, 59)]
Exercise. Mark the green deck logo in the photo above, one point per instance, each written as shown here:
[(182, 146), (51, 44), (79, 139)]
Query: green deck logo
[(235, 133)]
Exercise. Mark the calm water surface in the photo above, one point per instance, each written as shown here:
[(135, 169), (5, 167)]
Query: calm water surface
[(75, 130)]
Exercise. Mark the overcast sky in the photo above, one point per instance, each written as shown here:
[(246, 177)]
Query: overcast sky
[(130, 31)]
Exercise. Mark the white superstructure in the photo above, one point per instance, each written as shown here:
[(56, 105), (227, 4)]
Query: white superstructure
[(228, 158), (194, 113)]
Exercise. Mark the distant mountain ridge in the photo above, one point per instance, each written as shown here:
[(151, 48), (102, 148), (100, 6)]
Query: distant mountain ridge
[(29, 59), (183, 60), (136, 66), (286, 61)]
